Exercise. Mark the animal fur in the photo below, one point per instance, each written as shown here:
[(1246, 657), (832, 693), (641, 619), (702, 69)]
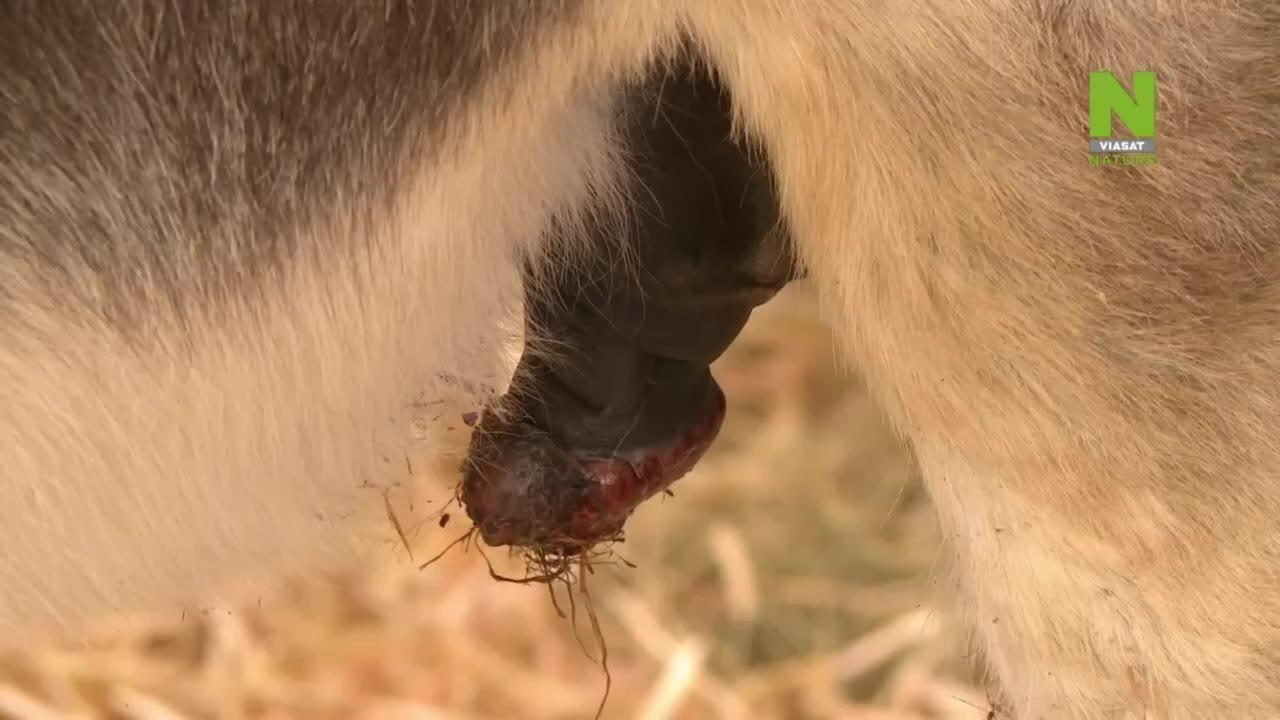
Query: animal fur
[(238, 239)]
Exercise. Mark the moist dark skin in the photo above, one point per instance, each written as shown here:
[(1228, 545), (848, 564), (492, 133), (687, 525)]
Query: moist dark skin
[(628, 404)]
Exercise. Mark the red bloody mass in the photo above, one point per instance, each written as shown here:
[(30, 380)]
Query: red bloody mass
[(520, 488)]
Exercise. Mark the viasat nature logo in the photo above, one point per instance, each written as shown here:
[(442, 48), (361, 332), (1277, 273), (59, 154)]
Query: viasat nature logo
[(1109, 101)]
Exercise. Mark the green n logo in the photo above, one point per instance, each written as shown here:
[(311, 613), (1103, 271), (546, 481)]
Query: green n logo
[(1107, 98)]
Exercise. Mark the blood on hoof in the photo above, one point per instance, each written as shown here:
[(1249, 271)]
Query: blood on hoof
[(520, 488)]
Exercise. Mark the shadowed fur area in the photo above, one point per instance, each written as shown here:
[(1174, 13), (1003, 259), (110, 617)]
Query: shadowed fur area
[(238, 241)]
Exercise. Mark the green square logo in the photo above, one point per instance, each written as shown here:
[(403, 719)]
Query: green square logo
[(1110, 101)]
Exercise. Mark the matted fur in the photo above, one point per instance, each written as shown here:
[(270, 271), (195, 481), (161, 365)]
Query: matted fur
[(227, 266)]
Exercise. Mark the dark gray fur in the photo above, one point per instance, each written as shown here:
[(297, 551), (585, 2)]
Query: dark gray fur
[(204, 132)]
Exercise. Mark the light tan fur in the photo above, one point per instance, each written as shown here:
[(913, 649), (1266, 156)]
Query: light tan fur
[(1086, 360)]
